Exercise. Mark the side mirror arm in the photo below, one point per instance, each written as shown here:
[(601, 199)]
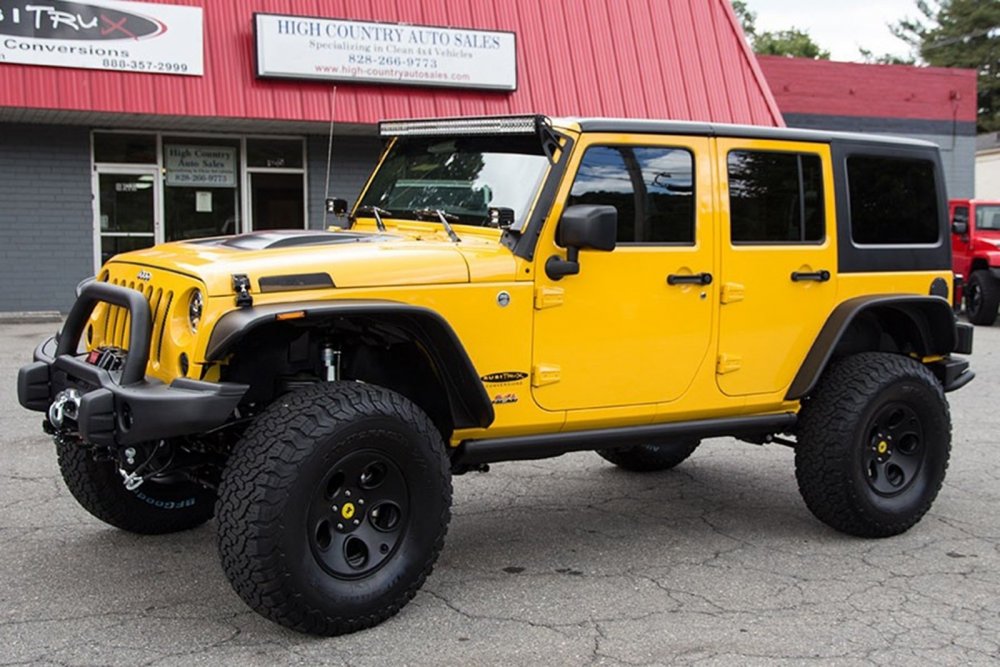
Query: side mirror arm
[(556, 268)]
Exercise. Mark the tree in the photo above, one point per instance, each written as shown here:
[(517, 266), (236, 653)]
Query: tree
[(792, 42), (747, 18), (884, 59), (961, 33)]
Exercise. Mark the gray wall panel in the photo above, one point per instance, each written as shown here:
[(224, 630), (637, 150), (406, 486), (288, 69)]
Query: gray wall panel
[(46, 217), (353, 160)]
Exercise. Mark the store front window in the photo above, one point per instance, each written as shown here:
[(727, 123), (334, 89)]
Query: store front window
[(201, 194), (155, 187)]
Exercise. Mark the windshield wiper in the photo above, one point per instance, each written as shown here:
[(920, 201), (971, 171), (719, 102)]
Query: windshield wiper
[(376, 212), (443, 217)]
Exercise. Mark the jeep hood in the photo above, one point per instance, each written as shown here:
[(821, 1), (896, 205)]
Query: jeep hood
[(349, 258)]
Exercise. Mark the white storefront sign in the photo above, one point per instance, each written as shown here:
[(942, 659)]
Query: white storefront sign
[(103, 34), (300, 47), (200, 166)]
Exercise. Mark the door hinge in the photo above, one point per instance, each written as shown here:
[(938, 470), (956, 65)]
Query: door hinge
[(544, 374), (732, 292), (548, 297), (727, 363)]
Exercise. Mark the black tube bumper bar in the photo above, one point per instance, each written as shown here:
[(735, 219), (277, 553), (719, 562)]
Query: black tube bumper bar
[(127, 407)]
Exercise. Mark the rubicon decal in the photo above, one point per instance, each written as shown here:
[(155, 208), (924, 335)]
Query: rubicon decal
[(56, 19), (504, 377)]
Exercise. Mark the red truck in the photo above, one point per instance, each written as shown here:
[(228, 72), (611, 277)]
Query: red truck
[(975, 244)]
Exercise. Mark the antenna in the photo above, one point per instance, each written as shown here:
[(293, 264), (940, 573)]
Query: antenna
[(329, 157)]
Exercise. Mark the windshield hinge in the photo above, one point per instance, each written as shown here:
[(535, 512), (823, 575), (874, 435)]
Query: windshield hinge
[(548, 137), (241, 285)]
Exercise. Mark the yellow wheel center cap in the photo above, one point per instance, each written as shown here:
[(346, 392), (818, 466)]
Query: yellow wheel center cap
[(347, 511), (883, 446)]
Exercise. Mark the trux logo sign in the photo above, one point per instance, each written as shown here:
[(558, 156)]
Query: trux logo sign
[(56, 19)]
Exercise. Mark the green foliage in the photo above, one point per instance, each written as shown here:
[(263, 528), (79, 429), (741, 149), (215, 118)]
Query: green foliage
[(792, 42), (885, 59), (747, 18), (961, 33)]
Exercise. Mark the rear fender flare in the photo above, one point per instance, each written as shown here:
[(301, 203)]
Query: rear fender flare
[(930, 321)]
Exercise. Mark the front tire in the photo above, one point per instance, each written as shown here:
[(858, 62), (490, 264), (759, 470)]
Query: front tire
[(982, 298), (873, 444), (650, 458), (155, 508), (333, 507)]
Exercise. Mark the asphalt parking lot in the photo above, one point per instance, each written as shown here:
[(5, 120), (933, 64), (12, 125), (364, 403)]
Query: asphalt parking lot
[(565, 561)]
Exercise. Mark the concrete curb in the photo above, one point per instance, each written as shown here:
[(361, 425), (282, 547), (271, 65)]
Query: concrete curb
[(31, 317)]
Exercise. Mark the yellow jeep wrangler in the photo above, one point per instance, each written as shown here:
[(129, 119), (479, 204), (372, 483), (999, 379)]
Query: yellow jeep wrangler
[(514, 288)]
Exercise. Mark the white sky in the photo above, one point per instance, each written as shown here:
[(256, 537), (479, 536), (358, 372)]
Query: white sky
[(839, 27)]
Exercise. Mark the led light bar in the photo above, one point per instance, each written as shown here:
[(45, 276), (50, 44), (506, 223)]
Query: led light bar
[(463, 126)]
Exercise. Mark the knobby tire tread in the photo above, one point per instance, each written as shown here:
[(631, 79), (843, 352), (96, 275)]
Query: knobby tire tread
[(252, 491), (826, 439)]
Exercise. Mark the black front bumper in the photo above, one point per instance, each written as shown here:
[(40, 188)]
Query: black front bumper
[(121, 407)]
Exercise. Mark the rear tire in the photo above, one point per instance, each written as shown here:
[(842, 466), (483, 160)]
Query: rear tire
[(650, 458), (982, 298), (873, 444), (152, 509), (333, 507)]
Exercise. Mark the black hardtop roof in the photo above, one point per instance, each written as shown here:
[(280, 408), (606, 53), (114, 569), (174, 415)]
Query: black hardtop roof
[(640, 126)]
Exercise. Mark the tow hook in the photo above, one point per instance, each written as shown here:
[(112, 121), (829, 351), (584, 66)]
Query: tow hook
[(66, 406), (132, 480)]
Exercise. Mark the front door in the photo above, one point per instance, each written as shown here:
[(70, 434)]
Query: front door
[(779, 261), (634, 325), (127, 210)]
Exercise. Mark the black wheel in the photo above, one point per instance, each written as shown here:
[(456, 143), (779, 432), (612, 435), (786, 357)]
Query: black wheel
[(982, 298), (873, 444), (156, 507), (650, 458), (333, 507)]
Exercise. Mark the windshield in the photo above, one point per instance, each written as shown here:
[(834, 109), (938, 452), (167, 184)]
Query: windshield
[(988, 217), (463, 177)]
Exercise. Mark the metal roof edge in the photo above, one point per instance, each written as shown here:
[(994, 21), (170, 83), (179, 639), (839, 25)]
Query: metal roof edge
[(758, 73)]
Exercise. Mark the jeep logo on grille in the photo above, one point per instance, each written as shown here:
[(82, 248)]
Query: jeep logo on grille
[(145, 275)]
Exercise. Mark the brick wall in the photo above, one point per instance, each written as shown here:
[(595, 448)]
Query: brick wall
[(46, 217), (353, 160)]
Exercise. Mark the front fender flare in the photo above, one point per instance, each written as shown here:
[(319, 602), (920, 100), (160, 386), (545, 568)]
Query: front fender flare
[(467, 398)]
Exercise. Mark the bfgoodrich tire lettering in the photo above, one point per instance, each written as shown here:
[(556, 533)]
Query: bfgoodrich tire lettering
[(333, 507), (154, 508), (873, 444)]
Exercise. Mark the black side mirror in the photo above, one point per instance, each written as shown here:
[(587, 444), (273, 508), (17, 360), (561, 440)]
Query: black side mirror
[(337, 206), (582, 228), (960, 221)]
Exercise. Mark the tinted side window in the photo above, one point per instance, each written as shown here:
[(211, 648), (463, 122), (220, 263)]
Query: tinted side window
[(652, 188), (775, 197), (893, 200)]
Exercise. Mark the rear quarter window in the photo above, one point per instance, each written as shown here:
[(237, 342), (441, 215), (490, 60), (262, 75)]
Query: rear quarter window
[(893, 200)]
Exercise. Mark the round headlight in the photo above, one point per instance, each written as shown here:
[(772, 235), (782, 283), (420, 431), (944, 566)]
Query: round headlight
[(195, 305)]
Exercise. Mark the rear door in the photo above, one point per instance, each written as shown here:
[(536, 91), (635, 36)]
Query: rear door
[(778, 260)]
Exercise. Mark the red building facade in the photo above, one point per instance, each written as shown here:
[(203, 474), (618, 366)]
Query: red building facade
[(124, 124)]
